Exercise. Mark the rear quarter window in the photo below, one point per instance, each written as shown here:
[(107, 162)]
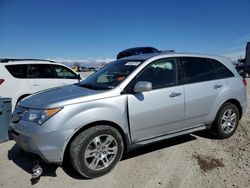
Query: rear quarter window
[(222, 70), (17, 71)]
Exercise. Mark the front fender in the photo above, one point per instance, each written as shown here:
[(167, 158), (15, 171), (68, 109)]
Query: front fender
[(77, 116)]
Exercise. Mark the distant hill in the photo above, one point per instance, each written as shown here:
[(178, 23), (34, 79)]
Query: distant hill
[(83, 62)]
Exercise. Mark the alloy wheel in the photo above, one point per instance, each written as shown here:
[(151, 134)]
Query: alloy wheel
[(100, 152), (228, 121)]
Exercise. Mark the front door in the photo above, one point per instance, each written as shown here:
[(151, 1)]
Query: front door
[(41, 77), (160, 111), (65, 75)]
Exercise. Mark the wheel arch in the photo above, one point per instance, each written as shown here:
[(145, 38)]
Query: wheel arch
[(125, 136), (237, 104), (22, 97), (230, 100)]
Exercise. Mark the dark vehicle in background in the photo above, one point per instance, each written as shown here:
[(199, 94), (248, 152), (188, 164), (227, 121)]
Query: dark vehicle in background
[(136, 51), (243, 66)]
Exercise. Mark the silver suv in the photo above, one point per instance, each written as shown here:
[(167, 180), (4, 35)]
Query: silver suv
[(130, 102)]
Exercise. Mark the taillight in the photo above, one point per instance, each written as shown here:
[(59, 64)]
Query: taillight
[(1, 81), (244, 82)]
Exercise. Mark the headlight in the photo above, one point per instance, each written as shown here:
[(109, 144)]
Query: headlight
[(39, 116)]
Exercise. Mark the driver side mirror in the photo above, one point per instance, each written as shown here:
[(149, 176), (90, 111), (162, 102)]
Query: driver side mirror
[(142, 86)]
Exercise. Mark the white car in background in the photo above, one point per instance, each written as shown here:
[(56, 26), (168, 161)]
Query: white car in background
[(22, 77)]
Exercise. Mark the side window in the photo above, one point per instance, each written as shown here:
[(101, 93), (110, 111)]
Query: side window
[(222, 70), (40, 71), (197, 70), (18, 71), (63, 72), (161, 73)]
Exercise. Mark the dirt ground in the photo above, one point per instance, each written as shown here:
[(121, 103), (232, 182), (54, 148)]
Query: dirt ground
[(195, 160)]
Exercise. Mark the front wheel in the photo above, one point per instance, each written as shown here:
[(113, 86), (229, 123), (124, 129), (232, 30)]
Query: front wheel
[(226, 121), (95, 151)]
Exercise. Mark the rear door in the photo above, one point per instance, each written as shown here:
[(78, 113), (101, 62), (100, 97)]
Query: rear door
[(16, 83), (161, 110), (201, 86)]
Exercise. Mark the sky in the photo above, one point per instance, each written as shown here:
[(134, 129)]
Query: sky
[(99, 29)]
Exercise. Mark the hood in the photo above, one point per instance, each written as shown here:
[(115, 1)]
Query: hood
[(61, 96)]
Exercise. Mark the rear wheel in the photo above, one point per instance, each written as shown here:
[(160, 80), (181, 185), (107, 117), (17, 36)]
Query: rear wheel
[(226, 121), (96, 151)]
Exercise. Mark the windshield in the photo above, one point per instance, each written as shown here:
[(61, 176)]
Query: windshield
[(111, 75)]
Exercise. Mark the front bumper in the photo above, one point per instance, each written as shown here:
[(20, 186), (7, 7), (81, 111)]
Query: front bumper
[(48, 145)]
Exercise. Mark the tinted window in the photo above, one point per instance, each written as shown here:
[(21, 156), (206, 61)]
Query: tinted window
[(161, 73), (40, 71), (63, 72), (197, 70), (222, 70), (18, 71)]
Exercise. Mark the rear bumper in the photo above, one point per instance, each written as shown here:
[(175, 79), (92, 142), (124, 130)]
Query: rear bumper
[(48, 145), (244, 107)]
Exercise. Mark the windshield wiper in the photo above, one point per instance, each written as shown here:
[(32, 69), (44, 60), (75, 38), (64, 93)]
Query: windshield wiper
[(93, 87), (86, 86)]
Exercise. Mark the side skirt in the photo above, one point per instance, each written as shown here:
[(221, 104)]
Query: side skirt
[(167, 136)]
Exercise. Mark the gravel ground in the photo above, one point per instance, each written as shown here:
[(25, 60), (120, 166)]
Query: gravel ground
[(188, 161)]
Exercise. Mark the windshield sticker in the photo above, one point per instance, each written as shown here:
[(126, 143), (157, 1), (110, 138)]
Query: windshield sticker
[(132, 63)]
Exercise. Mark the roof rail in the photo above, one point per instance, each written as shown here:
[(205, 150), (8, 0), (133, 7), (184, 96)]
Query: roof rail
[(167, 51), (6, 60)]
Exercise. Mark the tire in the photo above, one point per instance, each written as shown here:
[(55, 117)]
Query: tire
[(225, 125), (96, 151)]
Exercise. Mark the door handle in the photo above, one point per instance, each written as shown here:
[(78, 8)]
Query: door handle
[(174, 94), (35, 84), (216, 86)]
